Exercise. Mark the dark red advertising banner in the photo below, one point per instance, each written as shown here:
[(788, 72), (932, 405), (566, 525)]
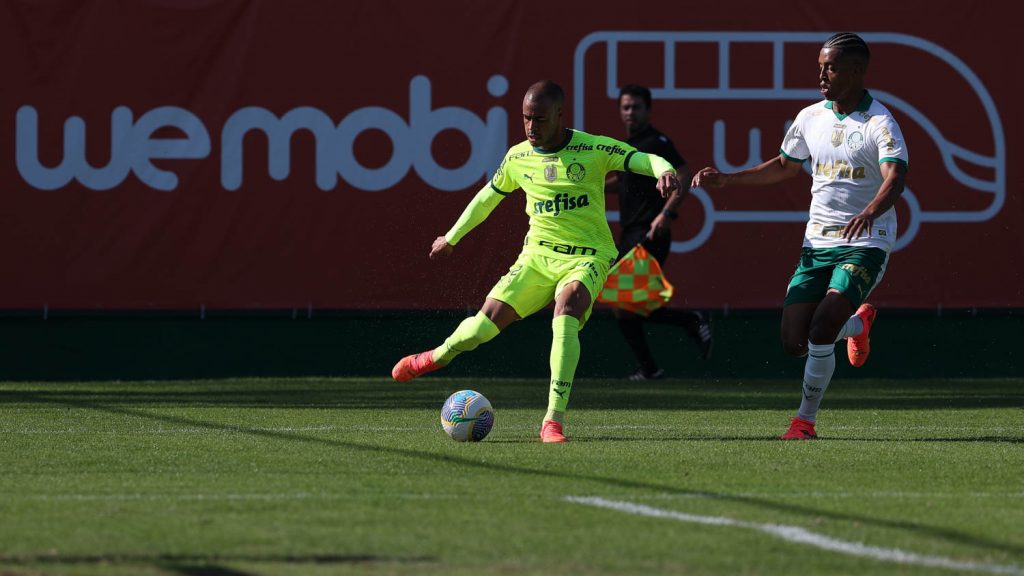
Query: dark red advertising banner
[(267, 154)]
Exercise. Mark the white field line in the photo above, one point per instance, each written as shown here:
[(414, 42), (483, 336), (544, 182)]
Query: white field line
[(801, 536)]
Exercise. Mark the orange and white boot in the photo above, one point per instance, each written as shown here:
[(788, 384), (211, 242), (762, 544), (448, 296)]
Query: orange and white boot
[(858, 347), (799, 430), (414, 366), (551, 432)]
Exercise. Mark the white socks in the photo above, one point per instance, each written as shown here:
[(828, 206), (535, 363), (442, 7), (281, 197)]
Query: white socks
[(821, 363), (819, 366), (853, 327)]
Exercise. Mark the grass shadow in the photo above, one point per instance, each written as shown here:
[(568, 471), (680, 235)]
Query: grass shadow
[(788, 508), (204, 565), (594, 394)]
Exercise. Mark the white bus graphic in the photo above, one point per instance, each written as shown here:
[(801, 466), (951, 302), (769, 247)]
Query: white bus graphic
[(951, 152)]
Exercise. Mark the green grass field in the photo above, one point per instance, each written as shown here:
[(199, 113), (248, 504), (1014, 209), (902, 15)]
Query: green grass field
[(355, 476)]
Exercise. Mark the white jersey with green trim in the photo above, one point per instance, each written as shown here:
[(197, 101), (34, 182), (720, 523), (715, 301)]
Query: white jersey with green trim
[(846, 153)]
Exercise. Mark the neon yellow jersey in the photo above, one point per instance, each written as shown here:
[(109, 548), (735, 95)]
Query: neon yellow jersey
[(565, 191)]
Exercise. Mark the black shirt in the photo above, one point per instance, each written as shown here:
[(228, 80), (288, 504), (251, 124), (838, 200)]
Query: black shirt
[(639, 199)]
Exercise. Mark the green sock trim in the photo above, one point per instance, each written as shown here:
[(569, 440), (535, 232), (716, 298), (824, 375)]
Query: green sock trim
[(472, 332)]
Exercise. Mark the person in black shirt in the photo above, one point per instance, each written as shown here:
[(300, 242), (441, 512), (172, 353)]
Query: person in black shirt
[(646, 217)]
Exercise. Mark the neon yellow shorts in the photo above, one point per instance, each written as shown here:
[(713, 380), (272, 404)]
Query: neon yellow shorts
[(534, 281)]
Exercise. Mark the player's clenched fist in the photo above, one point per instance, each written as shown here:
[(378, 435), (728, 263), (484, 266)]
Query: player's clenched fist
[(667, 184), (441, 248)]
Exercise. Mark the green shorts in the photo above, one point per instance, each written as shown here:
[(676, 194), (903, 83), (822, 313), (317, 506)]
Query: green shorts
[(852, 271), (534, 281)]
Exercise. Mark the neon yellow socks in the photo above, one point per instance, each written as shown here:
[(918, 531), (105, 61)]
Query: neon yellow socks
[(565, 355), (472, 332)]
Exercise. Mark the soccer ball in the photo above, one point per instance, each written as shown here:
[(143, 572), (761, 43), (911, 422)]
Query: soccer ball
[(467, 416)]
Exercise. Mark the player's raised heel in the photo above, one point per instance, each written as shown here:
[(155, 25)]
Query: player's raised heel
[(799, 430), (858, 347), (551, 432), (414, 366)]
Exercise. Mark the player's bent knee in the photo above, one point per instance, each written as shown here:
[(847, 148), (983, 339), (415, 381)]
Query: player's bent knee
[(577, 314), (795, 349), (500, 313), (823, 337)]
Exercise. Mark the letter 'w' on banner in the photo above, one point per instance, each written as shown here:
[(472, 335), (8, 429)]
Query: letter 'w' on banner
[(635, 283)]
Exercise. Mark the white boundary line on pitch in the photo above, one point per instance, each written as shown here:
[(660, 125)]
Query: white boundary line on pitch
[(801, 536)]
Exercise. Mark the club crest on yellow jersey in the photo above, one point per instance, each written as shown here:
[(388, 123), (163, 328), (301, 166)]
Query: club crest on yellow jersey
[(576, 172)]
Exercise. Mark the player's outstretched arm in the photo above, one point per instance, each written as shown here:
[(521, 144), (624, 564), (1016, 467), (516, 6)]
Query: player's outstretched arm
[(478, 209), (775, 170), (656, 167)]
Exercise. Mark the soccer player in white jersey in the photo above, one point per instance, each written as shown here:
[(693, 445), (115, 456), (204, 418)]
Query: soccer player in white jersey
[(858, 161)]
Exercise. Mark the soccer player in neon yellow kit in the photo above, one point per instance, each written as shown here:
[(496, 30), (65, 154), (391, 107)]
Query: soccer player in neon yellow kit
[(858, 162), (568, 248)]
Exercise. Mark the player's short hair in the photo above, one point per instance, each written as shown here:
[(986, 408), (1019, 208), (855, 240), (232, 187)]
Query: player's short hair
[(636, 91), (546, 90), (849, 44)]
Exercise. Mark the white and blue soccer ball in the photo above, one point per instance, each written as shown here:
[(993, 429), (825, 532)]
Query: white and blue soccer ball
[(467, 416)]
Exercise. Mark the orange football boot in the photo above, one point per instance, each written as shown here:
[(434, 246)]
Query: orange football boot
[(799, 430), (858, 347), (551, 431), (414, 366)]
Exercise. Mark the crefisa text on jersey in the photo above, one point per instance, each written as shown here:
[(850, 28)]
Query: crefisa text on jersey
[(560, 203)]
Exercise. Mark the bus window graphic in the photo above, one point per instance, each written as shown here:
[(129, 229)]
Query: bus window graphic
[(952, 154)]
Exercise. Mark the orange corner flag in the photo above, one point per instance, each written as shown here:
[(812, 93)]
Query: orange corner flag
[(636, 283)]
